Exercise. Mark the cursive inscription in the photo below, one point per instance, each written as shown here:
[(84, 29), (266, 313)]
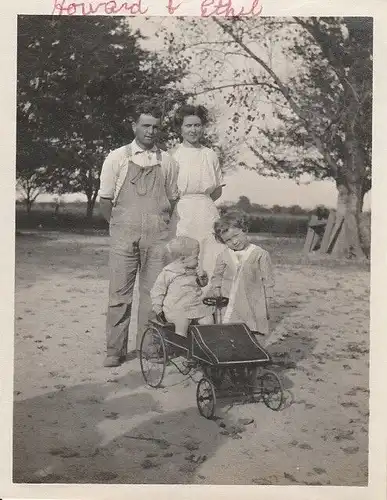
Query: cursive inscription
[(171, 7), (64, 7), (226, 8), (208, 8)]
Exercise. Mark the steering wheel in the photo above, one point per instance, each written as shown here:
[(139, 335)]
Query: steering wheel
[(218, 302)]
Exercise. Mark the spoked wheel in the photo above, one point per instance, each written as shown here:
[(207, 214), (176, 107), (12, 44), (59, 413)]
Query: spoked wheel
[(271, 390), (205, 397), (153, 357)]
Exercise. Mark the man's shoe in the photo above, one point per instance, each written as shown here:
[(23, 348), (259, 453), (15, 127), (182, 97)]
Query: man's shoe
[(111, 361)]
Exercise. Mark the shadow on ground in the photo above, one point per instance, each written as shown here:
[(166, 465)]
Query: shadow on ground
[(115, 432)]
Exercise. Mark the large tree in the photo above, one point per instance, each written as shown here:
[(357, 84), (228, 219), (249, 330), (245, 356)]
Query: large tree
[(79, 80), (301, 94)]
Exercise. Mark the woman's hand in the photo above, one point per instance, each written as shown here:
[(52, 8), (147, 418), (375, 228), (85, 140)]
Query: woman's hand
[(216, 193)]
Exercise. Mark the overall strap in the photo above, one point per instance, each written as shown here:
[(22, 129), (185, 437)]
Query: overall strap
[(145, 177)]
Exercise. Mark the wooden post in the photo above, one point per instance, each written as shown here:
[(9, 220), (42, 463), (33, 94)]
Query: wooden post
[(335, 233), (328, 231), (310, 235)]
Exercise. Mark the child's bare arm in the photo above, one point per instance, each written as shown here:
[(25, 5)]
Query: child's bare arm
[(217, 277), (268, 280), (267, 274)]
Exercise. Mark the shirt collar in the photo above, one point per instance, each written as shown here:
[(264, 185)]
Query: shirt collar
[(245, 250), (137, 149)]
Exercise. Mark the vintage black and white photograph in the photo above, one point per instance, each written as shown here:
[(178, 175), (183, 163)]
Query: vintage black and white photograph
[(193, 234)]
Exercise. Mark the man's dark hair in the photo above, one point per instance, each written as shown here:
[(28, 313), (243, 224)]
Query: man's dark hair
[(147, 108)]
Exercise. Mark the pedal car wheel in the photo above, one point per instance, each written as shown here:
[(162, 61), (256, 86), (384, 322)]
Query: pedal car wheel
[(205, 397), (271, 390), (153, 357)]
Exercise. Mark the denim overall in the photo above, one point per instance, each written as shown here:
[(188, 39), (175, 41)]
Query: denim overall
[(138, 234)]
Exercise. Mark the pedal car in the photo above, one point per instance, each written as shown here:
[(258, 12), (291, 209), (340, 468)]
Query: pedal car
[(229, 356)]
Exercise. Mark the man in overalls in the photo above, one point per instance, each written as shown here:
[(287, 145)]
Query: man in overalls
[(138, 188)]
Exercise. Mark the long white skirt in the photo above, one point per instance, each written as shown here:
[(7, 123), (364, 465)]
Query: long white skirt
[(196, 215)]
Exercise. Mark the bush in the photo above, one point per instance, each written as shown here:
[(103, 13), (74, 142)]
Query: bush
[(65, 221), (281, 224)]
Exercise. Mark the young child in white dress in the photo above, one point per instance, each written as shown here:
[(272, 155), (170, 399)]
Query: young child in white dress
[(177, 295), (243, 273)]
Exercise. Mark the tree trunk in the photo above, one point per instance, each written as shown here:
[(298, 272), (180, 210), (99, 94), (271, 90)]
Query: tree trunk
[(89, 209), (91, 199), (28, 202), (349, 206)]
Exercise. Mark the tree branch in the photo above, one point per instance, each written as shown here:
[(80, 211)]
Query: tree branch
[(326, 48), (283, 89), (234, 85)]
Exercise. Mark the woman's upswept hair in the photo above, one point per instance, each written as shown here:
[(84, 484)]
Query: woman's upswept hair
[(190, 110), (182, 246), (228, 221)]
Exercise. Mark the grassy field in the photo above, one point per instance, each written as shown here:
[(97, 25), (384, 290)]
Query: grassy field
[(71, 217), (77, 422)]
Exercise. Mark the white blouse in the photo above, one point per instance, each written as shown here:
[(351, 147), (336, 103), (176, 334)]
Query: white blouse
[(199, 170)]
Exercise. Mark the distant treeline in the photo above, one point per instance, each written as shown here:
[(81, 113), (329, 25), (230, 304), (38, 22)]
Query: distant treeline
[(246, 206), (285, 221)]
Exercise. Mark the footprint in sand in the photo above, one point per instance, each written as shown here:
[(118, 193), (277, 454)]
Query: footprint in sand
[(112, 416), (305, 446), (349, 404), (350, 450), (64, 452), (149, 464), (319, 470)]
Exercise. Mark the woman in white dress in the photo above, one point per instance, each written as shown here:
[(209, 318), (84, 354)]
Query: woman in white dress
[(200, 183)]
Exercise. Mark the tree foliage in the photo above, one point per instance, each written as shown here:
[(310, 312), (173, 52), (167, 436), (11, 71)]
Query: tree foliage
[(316, 105), (300, 91), (79, 81)]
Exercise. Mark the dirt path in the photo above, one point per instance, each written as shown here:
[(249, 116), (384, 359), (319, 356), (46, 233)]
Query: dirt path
[(77, 422)]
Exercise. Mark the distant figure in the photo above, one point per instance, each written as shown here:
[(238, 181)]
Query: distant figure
[(57, 204)]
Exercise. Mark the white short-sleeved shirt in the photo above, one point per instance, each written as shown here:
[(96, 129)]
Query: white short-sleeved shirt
[(199, 170), (115, 167)]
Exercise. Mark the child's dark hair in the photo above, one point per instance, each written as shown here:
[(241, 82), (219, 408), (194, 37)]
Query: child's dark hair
[(228, 221)]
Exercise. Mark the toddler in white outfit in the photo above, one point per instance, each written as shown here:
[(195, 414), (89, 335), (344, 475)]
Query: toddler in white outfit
[(177, 292)]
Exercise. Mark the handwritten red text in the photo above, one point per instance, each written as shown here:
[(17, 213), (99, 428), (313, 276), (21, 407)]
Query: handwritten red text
[(171, 7), (226, 8), (88, 8)]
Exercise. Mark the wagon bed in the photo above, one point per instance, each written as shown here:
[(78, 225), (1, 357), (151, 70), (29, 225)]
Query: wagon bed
[(220, 345)]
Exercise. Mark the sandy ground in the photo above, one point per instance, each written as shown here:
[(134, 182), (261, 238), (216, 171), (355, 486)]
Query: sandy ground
[(77, 422)]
